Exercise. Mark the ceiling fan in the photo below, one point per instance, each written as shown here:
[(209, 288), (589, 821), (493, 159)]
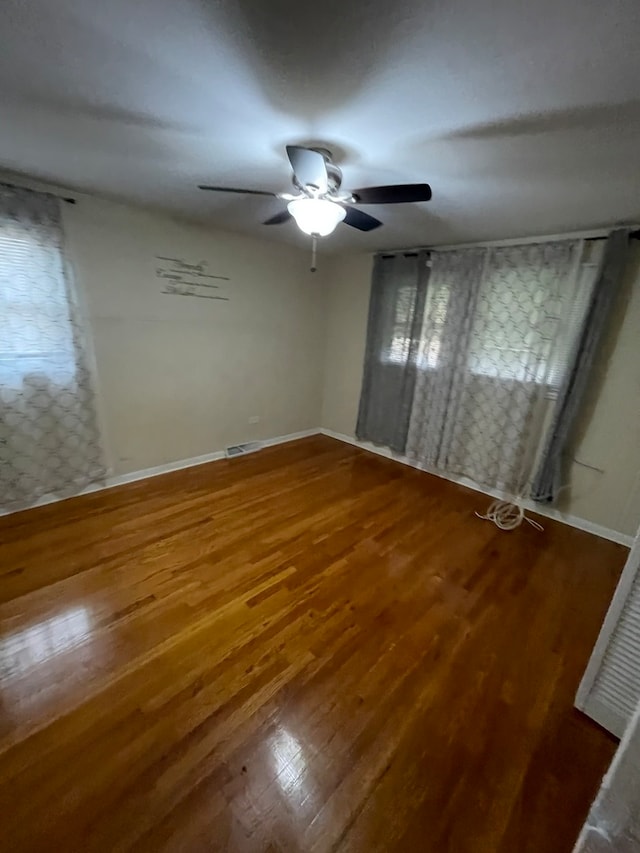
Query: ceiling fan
[(319, 205)]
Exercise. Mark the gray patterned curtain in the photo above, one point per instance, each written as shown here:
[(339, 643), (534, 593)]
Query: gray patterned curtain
[(396, 307), (49, 439), (552, 469), (493, 318), (444, 337)]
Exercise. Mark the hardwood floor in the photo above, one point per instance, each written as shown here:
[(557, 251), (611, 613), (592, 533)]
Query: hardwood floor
[(308, 649)]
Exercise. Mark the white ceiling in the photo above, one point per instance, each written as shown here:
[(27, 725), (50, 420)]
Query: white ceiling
[(524, 116)]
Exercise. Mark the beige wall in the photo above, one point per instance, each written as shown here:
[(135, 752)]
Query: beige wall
[(178, 376), (348, 280), (609, 435)]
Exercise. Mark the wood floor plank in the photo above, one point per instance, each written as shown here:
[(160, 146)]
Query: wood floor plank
[(307, 649)]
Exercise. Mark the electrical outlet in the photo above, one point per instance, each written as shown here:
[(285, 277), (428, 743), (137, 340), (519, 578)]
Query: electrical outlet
[(254, 419)]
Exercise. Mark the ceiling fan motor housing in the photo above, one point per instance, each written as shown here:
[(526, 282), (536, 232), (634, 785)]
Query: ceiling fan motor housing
[(334, 173)]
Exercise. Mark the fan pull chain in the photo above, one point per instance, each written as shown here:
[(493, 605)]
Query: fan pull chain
[(314, 250)]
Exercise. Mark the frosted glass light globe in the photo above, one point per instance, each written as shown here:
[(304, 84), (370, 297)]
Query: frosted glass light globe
[(316, 215)]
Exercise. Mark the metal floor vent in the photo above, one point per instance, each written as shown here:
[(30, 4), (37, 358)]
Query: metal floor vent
[(243, 449)]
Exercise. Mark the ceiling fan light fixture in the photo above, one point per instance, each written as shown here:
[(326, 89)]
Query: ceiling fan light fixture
[(316, 215)]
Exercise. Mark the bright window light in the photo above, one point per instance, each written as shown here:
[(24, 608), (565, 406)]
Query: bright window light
[(42, 641)]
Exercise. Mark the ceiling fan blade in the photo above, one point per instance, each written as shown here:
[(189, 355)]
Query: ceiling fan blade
[(360, 220), (279, 218), (397, 194), (308, 167), (235, 190)]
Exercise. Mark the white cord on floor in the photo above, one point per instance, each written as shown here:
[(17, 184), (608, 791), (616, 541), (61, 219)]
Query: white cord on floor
[(508, 516)]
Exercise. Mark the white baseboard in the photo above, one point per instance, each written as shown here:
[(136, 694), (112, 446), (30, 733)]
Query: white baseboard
[(532, 506), (143, 474), (121, 479), (293, 436), (132, 477)]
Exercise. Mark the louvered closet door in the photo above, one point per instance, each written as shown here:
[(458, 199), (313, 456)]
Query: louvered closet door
[(610, 689)]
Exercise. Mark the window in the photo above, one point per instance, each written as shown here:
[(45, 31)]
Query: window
[(515, 327), (36, 332), (525, 325), (398, 350), (400, 340), (49, 441)]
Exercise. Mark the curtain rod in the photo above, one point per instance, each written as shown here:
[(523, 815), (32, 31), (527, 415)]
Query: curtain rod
[(68, 199), (589, 236)]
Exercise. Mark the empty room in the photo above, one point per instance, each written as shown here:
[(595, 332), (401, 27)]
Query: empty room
[(319, 426)]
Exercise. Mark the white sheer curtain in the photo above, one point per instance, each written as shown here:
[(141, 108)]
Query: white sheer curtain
[(49, 439), (491, 348)]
